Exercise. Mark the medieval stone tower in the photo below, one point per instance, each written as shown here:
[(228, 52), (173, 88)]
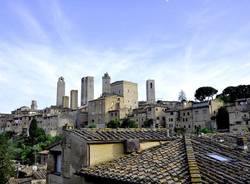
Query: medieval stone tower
[(74, 99), (87, 90), (106, 88), (60, 91), (33, 105), (150, 91)]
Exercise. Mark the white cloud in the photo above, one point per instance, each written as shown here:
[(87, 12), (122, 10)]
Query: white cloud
[(30, 70)]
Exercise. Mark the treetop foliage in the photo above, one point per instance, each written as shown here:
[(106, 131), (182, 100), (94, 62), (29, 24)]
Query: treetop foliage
[(205, 93), (125, 123), (232, 93), (182, 96)]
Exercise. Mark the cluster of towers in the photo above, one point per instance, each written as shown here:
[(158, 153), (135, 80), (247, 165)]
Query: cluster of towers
[(87, 91)]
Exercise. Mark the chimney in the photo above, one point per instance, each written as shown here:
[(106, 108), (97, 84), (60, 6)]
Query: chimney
[(242, 143), (132, 145)]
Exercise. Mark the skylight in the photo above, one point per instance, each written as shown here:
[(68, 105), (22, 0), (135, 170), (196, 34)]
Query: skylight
[(218, 157)]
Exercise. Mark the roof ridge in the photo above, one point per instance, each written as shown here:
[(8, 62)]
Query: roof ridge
[(192, 164)]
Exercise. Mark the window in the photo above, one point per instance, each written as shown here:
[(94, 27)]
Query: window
[(184, 114), (58, 163), (219, 157), (151, 85), (188, 113), (171, 113), (157, 118), (238, 122)]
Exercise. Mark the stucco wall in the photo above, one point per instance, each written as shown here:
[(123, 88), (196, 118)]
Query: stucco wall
[(99, 153), (105, 152), (150, 144)]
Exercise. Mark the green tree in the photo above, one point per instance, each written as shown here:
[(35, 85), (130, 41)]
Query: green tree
[(180, 131), (114, 124), (148, 123), (33, 129), (222, 119), (204, 93), (127, 123), (6, 165), (206, 131), (232, 93), (182, 96), (40, 135), (92, 125), (36, 134)]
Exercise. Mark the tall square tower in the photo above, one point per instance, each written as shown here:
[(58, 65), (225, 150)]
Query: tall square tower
[(87, 90), (150, 91)]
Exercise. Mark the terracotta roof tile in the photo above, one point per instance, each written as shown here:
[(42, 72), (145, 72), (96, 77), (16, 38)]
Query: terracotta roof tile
[(196, 160), (165, 164), (121, 134)]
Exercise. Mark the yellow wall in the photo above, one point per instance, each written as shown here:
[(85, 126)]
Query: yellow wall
[(150, 144), (105, 152)]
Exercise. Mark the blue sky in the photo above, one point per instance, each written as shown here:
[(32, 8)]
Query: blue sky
[(181, 44)]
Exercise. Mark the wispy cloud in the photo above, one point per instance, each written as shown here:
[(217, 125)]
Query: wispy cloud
[(29, 69), (31, 24)]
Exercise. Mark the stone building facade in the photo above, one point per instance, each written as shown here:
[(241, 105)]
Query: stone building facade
[(154, 112), (101, 110), (51, 119), (198, 115), (128, 90), (117, 101), (239, 116)]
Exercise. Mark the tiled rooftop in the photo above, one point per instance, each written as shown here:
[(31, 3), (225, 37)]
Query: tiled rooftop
[(189, 160), (166, 163), (229, 166), (121, 134)]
